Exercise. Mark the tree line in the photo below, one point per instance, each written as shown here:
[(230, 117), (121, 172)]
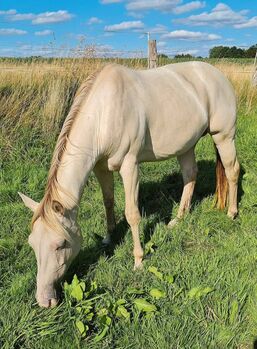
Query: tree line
[(232, 52)]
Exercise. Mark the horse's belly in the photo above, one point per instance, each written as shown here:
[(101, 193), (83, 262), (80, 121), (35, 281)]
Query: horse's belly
[(167, 139)]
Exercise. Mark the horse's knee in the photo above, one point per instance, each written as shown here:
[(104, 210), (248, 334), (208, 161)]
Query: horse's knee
[(133, 217)]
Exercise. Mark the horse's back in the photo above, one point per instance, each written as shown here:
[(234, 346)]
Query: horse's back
[(213, 90), (162, 112)]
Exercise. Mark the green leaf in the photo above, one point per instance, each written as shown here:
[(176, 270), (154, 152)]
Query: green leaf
[(233, 311), (155, 271), (89, 317), (149, 247), (82, 285), (79, 309), (193, 292), (132, 290), (155, 293), (87, 307), (93, 286), (101, 334), (80, 326), (75, 281), (122, 312), (169, 279), (102, 312), (206, 291), (143, 305), (198, 292), (66, 286), (121, 301), (77, 293)]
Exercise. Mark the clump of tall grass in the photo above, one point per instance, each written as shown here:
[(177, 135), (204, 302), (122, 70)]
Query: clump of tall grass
[(38, 94), (241, 78)]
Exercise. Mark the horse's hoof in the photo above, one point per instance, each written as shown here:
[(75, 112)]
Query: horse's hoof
[(232, 215), (172, 223), (138, 265)]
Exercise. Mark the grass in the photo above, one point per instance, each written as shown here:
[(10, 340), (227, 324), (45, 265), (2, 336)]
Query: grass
[(205, 249)]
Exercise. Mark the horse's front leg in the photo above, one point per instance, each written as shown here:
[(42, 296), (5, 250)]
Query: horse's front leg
[(189, 171), (129, 174), (105, 179)]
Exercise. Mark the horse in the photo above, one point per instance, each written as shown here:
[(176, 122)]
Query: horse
[(119, 118)]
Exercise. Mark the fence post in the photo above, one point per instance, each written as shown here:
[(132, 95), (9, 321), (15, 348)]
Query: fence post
[(152, 54)]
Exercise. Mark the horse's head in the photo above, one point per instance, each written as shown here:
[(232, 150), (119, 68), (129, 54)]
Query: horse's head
[(54, 251)]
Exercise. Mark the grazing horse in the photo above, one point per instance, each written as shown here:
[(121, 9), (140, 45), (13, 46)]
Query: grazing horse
[(119, 118)]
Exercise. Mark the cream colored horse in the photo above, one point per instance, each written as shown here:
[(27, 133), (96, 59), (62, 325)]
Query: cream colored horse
[(121, 117)]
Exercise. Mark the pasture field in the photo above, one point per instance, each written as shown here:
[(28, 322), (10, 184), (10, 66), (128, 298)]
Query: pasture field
[(206, 265)]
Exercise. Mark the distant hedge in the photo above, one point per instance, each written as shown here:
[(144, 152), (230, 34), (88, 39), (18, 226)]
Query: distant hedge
[(232, 52)]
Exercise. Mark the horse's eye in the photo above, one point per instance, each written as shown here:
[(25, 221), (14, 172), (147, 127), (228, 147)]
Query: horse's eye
[(62, 245)]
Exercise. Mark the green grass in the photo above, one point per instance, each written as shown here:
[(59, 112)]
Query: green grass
[(205, 249)]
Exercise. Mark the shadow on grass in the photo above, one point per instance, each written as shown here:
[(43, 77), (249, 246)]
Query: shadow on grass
[(156, 199)]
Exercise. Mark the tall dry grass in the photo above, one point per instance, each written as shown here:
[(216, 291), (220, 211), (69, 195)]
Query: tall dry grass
[(38, 95), (240, 76)]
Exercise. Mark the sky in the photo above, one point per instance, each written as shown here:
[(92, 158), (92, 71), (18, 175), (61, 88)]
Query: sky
[(120, 27)]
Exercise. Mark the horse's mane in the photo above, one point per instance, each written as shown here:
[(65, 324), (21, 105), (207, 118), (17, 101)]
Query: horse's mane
[(53, 188)]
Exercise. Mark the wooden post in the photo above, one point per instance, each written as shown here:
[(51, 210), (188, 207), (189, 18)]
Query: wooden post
[(152, 54)]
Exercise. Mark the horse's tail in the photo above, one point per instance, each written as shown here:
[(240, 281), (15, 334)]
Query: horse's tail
[(221, 184)]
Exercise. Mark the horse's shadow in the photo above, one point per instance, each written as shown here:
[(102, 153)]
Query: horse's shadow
[(156, 199)]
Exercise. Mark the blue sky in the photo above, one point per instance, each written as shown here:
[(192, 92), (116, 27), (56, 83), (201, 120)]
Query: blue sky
[(108, 26)]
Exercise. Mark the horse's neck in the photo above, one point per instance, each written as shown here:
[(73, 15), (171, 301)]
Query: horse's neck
[(78, 159)]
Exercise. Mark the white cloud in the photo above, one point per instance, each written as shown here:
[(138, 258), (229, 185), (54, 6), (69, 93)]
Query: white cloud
[(41, 18), (21, 17), (161, 44), (252, 22), (220, 15), (124, 26), (8, 12), (144, 5), (135, 14), (52, 17), (190, 35), (190, 6), (12, 31), (94, 20), (44, 32), (158, 29), (186, 52)]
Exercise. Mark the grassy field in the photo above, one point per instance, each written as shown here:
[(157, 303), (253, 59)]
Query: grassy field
[(206, 265)]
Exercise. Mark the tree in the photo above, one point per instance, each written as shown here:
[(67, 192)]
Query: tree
[(251, 51), (187, 55), (162, 55), (232, 52)]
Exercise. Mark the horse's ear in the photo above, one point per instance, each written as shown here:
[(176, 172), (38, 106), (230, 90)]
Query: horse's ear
[(28, 202), (58, 207)]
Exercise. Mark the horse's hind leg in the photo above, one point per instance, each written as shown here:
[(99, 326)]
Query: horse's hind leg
[(189, 171), (227, 152), (105, 179)]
